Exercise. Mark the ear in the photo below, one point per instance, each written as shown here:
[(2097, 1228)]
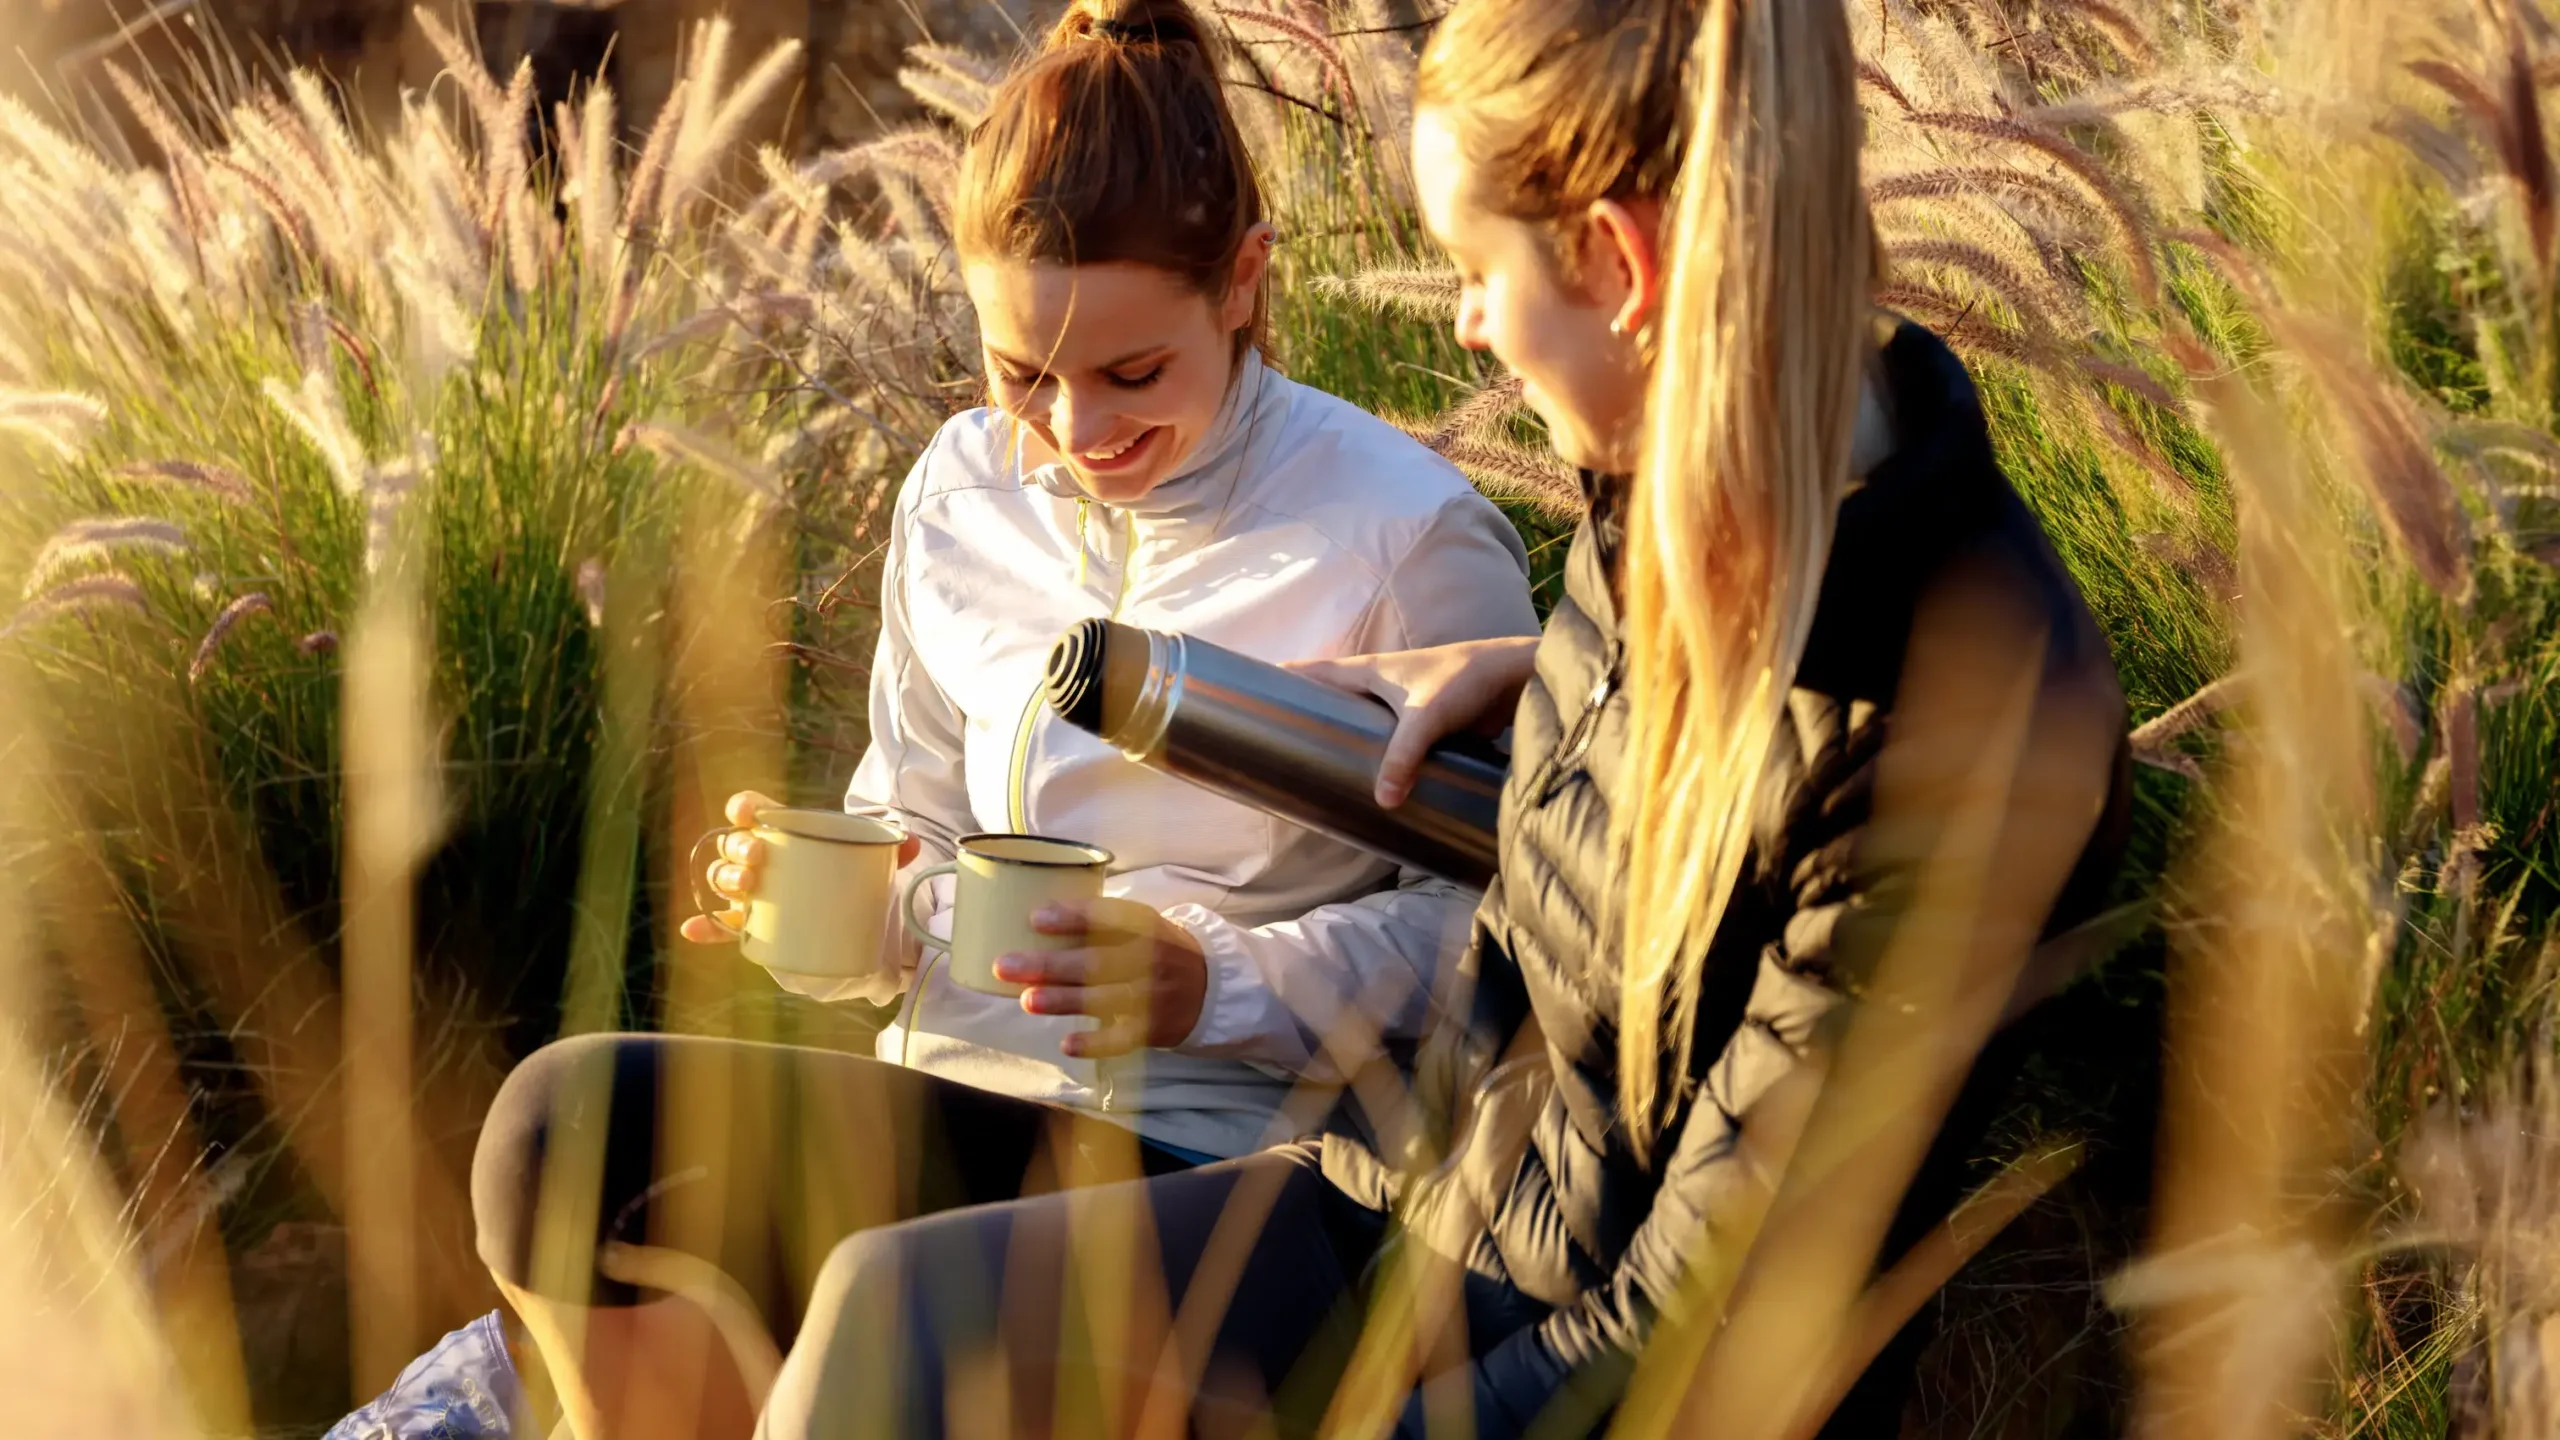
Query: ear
[(1244, 286), (1622, 260)]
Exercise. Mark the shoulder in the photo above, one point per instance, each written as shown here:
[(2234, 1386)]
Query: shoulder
[(974, 451), (1938, 519), (1365, 484)]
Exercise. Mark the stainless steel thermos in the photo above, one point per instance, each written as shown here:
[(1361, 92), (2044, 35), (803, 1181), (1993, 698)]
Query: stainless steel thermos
[(1269, 738)]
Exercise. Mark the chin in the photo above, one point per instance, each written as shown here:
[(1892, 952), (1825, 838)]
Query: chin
[(1118, 489)]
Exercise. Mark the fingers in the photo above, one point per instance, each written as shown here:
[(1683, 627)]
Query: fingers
[(704, 930), (742, 807), (1117, 1036), (743, 848), (1109, 922), (1340, 674), (1129, 997), (1088, 965), (1417, 730), (732, 880)]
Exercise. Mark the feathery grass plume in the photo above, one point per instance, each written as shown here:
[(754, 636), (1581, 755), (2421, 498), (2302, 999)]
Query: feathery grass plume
[(2222, 92), (318, 642), (501, 115), (253, 603), (2152, 741), (924, 155), (706, 60), (1932, 60), (1999, 182), (714, 119), (59, 420), (687, 447), (316, 411), (591, 578), (2509, 120), (640, 198), (911, 215), (866, 263), (1431, 294), (2202, 562), (178, 149), (264, 138), (1962, 324), (2033, 303), (514, 214), (89, 592), (2134, 381), (594, 176), (1508, 471), (2131, 226), (2121, 30), (2237, 1298), (2481, 444), (947, 82), (88, 542), (1484, 408), (2485, 1173), (1874, 77), (2410, 492), (1310, 40)]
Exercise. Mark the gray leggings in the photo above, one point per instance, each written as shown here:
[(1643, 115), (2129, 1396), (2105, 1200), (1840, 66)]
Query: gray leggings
[(1052, 1313)]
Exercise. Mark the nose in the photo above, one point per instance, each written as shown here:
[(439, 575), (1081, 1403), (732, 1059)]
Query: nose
[(1079, 423), (1471, 328)]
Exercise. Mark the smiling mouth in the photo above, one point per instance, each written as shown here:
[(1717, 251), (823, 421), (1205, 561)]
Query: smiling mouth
[(1122, 456)]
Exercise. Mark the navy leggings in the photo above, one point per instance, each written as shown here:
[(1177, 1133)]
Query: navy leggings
[(756, 1157)]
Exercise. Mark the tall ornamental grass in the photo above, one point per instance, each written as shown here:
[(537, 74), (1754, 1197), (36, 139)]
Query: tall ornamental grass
[(417, 534)]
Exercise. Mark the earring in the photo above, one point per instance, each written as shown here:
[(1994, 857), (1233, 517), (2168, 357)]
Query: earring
[(1618, 326)]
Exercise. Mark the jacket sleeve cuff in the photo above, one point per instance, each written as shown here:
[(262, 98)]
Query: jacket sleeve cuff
[(1241, 1016)]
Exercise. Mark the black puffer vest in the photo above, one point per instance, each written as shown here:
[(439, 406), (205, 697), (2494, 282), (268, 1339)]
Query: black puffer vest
[(1542, 1195)]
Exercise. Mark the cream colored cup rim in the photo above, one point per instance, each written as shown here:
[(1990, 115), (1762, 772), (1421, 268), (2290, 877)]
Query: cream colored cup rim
[(834, 826), (1092, 854)]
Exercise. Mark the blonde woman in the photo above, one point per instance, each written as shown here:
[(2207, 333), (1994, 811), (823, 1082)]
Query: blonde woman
[(1814, 651)]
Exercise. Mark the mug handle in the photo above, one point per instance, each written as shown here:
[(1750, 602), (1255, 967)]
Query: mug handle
[(705, 899), (907, 903)]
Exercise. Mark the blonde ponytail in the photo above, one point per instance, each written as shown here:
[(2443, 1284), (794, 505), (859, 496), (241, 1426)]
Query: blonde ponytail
[(1762, 337)]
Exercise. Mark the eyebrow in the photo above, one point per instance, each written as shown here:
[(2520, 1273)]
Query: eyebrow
[(1152, 352)]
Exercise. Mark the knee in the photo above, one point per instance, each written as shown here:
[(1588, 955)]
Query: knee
[(568, 1084), (843, 1375)]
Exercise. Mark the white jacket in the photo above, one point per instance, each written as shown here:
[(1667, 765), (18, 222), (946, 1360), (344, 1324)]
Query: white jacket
[(1302, 528)]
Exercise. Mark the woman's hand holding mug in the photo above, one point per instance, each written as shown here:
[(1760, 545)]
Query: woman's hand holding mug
[(734, 872), (1471, 685), (1139, 973)]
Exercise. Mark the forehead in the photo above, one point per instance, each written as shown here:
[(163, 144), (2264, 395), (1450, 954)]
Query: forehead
[(1439, 170), (1071, 314), (1448, 192)]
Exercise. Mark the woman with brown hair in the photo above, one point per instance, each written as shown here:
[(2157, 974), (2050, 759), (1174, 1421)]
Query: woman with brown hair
[(1819, 747), (649, 1203)]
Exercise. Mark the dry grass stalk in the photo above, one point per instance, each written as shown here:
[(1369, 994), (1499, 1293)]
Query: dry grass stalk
[(253, 603), (107, 538), (2236, 1297), (2132, 227), (213, 480), (1431, 294), (86, 593)]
